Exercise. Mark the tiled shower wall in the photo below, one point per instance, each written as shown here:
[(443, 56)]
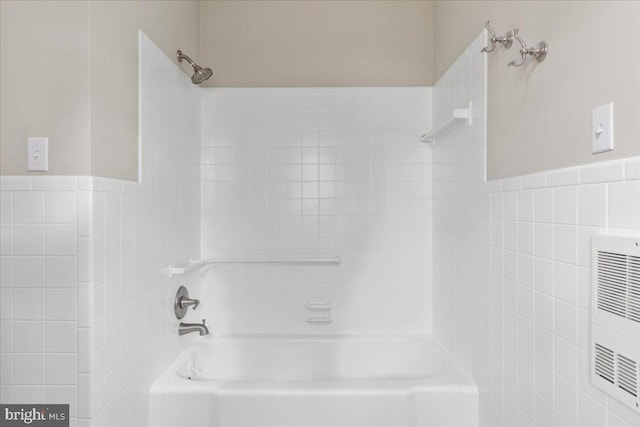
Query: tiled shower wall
[(139, 229), (313, 173), (512, 268), (87, 303)]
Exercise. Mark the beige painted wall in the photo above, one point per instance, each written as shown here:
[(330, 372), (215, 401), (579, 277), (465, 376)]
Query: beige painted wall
[(69, 71), (539, 116), (113, 31), (317, 43), (80, 84), (44, 84)]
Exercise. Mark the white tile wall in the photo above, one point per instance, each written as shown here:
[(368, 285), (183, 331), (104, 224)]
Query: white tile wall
[(317, 172), (138, 230), (512, 269), (39, 284)]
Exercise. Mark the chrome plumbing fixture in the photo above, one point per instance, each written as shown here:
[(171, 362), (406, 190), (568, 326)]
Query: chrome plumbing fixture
[(187, 328), (505, 40), (197, 263), (199, 74), (539, 52), (182, 302)]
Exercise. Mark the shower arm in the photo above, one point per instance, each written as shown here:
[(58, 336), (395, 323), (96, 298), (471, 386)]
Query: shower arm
[(182, 56)]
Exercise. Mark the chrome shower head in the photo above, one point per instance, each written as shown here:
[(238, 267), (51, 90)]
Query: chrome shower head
[(199, 74)]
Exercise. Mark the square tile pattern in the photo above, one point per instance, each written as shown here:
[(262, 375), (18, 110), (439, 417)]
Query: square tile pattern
[(304, 172), (39, 289), (512, 268)]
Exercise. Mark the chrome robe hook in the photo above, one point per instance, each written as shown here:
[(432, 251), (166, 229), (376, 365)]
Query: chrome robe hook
[(505, 40), (539, 52)]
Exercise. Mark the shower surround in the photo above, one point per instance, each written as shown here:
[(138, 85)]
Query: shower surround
[(299, 173), (312, 172)]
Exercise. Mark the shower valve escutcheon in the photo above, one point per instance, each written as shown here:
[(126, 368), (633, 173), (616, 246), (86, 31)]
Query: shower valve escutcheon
[(182, 302)]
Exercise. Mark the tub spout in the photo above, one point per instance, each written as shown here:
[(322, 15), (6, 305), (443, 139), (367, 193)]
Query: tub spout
[(186, 328)]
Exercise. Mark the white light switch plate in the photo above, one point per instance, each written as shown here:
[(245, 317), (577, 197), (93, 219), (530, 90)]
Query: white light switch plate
[(38, 153), (602, 129)]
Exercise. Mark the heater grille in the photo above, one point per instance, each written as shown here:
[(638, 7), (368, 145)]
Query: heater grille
[(628, 375), (634, 288), (604, 365), (618, 284), (616, 369)]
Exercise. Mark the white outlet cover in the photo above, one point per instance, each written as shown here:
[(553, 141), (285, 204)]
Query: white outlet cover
[(602, 129), (38, 153)]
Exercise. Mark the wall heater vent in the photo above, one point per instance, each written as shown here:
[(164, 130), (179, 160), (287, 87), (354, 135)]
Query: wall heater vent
[(615, 318), (604, 363), (619, 284), (627, 375), (617, 369)]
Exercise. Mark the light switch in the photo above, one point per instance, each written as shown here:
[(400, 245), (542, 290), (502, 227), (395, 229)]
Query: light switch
[(38, 153), (602, 129)]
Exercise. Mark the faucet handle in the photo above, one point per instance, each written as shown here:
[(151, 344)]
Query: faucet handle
[(186, 302)]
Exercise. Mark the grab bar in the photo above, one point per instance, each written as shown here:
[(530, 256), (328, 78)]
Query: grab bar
[(176, 270)]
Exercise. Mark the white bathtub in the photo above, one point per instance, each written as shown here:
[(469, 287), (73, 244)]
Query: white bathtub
[(313, 381)]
